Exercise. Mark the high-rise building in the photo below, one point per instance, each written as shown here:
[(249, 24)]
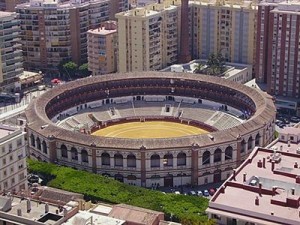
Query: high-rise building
[(54, 31), (278, 47), (199, 27), (224, 27), (11, 60), (13, 170), (102, 47), (148, 37), (9, 5)]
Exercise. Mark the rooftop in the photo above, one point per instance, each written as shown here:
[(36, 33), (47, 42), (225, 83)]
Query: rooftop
[(265, 189), (6, 130)]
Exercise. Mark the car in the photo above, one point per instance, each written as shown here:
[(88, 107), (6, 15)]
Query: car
[(199, 193), (205, 193), (295, 119), (211, 191), (192, 193), (176, 192)]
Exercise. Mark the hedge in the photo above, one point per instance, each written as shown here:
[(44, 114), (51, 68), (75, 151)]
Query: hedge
[(186, 209)]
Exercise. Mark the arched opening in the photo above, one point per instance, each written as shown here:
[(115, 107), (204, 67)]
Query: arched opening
[(181, 159), (118, 158), (155, 161), (217, 176), (44, 145), (168, 180), (74, 153), (168, 160), (250, 141), (119, 177), (64, 151), (38, 143), (32, 140), (105, 159), (206, 158), (217, 155), (243, 146), (131, 161), (228, 153), (84, 156), (257, 140)]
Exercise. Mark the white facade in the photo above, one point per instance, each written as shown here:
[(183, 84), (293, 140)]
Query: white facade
[(13, 171)]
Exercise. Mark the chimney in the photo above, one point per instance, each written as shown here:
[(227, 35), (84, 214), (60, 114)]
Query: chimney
[(19, 212), (296, 165), (28, 203), (244, 177), (260, 188), (264, 162), (256, 200), (274, 190), (273, 165), (259, 164), (293, 191), (65, 212), (46, 208), (222, 190)]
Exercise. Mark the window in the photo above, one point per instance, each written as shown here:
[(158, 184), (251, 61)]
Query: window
[(11, 169), (13, 180), (10, 148), (3, 149), (11, 158), (19, 142), (21, 176), (4, 161)]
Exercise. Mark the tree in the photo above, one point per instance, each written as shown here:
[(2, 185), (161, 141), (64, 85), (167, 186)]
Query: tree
[(83, 70), (70, 68)]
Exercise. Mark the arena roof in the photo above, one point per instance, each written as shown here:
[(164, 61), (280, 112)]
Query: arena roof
[(38, 120)]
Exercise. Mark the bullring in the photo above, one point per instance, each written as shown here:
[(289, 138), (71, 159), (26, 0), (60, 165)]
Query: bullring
[(146, 96)]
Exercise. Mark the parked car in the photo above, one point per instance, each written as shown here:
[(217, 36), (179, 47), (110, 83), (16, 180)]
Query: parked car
[(177, 193), (211, 191), (192, 193), (205, 193), (199, 193)]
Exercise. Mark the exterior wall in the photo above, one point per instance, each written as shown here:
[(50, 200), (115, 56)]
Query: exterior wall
[(9, 5), (63, 30), (148, 37), (102, 44), (13, 170), (11, 61)]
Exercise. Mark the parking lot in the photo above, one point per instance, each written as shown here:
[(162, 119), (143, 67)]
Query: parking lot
[(283, 120)]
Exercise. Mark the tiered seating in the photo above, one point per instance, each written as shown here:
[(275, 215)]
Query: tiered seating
[(226, 121), (148, 108), (84, 119), (125, 109)]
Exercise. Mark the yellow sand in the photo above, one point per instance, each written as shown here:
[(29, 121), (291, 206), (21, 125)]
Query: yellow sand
[(149, 129)]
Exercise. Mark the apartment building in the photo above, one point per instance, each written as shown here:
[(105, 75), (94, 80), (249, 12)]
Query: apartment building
[(148, 37), (55, 31), (13, 171), (102, 48), (9, 5), (224, 26), (11, 60)]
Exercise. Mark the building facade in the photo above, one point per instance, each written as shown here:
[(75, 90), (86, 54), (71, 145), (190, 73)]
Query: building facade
[(227, 27), (13, 169), (9, 5), (11, 64), (148, 37), (206, 27), (54, 31), (102, 48)]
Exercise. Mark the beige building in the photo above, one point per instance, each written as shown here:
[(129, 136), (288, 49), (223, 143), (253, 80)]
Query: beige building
[(224, 26), (148, 37), (13, 170), (102, 47), (11, 60), (53, 31)]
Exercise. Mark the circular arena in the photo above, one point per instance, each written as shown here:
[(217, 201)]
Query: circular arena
[(150, 128)]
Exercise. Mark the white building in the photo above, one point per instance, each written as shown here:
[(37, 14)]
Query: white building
[(13, 169)]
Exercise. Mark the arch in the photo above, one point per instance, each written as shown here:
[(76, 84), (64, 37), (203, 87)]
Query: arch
[(257, 139), (228, 153), (131, 161), (206, 158), (105, 159), (181, 159), (38, 143), (250, 141), (243, 146), (168, 160), (217, 155), (32, 140), (118, 159), (155, 161), (131, 177), (64, 151), (84, 156), (44, 147), (119, 177), (74, 153)]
